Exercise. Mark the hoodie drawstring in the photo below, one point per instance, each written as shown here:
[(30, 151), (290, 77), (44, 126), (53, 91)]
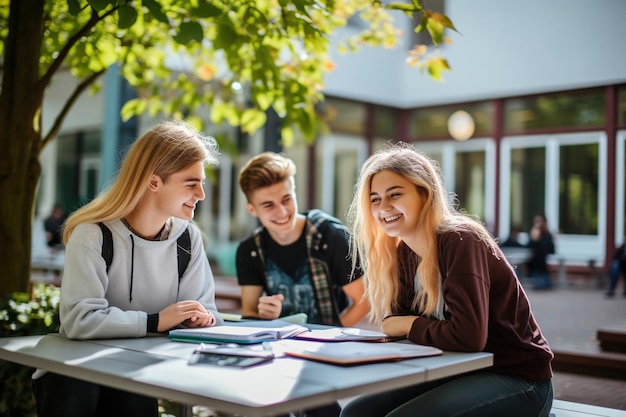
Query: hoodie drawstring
[(132, 268)]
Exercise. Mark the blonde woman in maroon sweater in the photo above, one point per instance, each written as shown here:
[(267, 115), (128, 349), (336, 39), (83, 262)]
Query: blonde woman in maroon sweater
[(438, 277)]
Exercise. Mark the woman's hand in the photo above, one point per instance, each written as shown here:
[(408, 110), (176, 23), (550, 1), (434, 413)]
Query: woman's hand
[(397, 325), (201, 322), (189, 313)]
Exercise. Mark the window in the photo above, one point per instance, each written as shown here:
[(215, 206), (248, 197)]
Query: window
[(470, 182), (386, 123), (343, 115), (581, 109), (432, 123), (339, 159), (557, 175), (78, 168), (468, 170), (578, 189), (527, 186)]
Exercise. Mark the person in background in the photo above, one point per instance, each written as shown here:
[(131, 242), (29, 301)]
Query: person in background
[(148, 207), (618, 266), (438, 277), (52, 225), (516, 253), (541, 243), (295, 262), (513, 240)]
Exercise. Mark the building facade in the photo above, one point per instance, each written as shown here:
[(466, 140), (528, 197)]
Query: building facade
[(531, 119)]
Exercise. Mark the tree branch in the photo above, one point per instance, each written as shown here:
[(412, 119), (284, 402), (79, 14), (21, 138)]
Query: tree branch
[(58, 122), (56, 64)]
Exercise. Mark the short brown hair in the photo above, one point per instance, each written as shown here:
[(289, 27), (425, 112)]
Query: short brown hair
[(263, 170)]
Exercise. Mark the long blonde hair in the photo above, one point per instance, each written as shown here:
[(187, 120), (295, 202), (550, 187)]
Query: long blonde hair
[(379, 252), (165, 149)]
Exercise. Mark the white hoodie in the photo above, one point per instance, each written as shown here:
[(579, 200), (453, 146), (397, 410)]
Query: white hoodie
[(142, 280)]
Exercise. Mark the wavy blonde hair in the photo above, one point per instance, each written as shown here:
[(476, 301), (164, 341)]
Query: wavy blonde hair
[(379, 252), (166, 149)]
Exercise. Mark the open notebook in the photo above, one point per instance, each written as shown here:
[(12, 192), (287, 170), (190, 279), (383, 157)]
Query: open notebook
[(247, 332), (354, 353)]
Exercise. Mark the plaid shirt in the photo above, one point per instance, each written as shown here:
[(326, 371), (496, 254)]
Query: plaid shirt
[(318, 265)]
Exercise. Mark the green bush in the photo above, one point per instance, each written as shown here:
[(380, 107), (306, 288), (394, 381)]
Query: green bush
[(25, 315)]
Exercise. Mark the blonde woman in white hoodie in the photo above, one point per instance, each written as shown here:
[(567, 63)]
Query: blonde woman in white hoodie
[(140, 288)]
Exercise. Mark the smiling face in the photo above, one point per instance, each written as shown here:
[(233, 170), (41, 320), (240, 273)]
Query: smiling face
[(277, 209), (177, 197), (395, 204)]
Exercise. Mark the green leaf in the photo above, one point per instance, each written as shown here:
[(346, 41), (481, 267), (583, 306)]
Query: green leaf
[(100, 5), (230, 114), (188, 32), (436, 66), (436, 31), (217, 112), (443, 20), (127, 16), (74, 7), (132, 108), (264, 100), (252, 120), (156, 10), (206, 9), (287, 136), (407, 8), (423, 23), (226, 35)]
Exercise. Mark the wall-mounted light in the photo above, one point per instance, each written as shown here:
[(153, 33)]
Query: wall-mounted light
[(461, 125)]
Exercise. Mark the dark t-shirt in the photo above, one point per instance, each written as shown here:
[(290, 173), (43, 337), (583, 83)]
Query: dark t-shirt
[(289, 271), (53, 226)]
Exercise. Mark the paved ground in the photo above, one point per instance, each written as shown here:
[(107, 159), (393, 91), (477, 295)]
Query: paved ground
[(570, 315)]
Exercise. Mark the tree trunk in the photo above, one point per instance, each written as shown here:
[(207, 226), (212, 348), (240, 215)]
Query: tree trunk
[(21, 101)]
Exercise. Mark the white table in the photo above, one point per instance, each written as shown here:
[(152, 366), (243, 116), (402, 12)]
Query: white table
[(157, 367)]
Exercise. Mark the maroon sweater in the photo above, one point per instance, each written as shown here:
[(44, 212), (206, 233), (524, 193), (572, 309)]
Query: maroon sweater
[(486, 309)]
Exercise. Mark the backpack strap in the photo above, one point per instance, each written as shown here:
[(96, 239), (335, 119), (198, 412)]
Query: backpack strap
[(183, 249), (107, 245), (323, 285)]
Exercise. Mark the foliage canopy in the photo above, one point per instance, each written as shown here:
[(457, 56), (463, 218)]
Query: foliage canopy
[(218, 60)]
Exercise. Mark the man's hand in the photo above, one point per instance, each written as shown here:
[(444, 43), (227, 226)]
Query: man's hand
[(270, 306), (190, 313)]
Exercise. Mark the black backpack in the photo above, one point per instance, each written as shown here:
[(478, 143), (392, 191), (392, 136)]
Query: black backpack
[(183, 246)]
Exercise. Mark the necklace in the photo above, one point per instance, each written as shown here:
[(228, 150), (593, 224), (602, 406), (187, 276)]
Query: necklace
[(156, 238)]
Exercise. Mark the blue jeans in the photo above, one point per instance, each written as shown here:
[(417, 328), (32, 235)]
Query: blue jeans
[(614, 273), (541, 280), (481, 394)]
